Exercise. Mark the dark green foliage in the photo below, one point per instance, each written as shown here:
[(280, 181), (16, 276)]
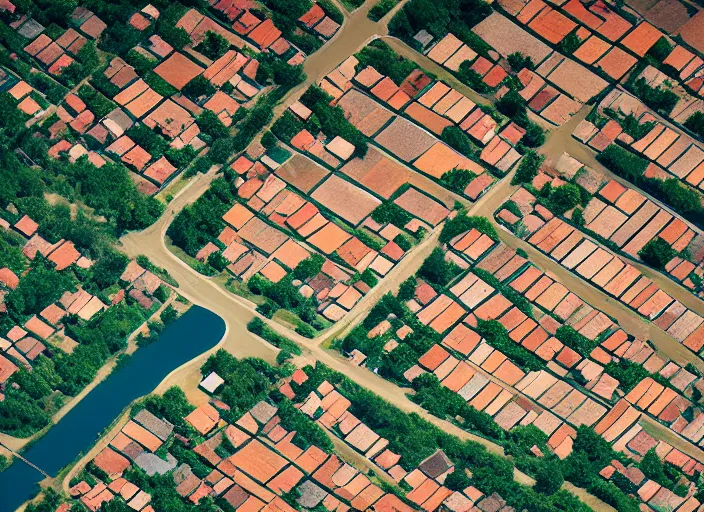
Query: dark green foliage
[(454, 137), (511, 104), (155, 144), (390, 212), (444, 403), (671, 191), (333, 121), (139, 62), (173, 406), (306, 331), (629, 374), (471, 78), (218, 261), (462, 222), (695, 123), (287, 126), (200, 222), (166, 26), (518, 61), (381, 9), (659, 99), (309, 267), (436, 270), (657, 253), (496, 335), (534, 136), (381, 57), (41, 286), (457, 480), (528, 169), (160, 85), (269, 140), (549, 478), (213, 45), (660, 50), (246, 380), (439, 17), (569, 44), (577, 342), (96, 102), (332, 10), (108, 269), (682, 198), (11, 255), (258, 327), (407, 289), (308, 433), (564, 198), (279, 71), (210, 124), (623, 162), (402, 242), (198, 87), (369, 278)]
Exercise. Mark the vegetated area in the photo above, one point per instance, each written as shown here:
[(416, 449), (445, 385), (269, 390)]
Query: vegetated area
[(423, 337), (91, 130)]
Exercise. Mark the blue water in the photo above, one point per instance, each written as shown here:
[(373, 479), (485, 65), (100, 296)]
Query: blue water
[(195, 332)]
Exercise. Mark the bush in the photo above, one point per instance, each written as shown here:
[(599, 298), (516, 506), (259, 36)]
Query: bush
[(462, 222), (287, 126), (390, 212), (471, 78), (454, 137), (258, 327), (309, 267), (518, 61), (497, 336), (569, 44), (512, 104), (199, 86), (564, 198), (660, 99), (695, 123), (306, 331), (528, 169), (381, 9), (210, 124), (657, 253), (549, 478), (576, 341), (437, 270), (381, 57), (213, 45)]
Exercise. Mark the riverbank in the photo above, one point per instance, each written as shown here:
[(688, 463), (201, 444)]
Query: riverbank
[(197, 332)]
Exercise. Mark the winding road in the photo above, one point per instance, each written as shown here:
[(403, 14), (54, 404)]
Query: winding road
[(355, 32)]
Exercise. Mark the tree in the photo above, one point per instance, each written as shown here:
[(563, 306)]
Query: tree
[(548, 478), (454, 137), (512, 104), (436, 269), (528, 168), (657, 253), (309, 267), (695, 123), (534, 136), (681, 197), (564, 198), (213, 45), (197, 87), (457, 180), (518, 61)]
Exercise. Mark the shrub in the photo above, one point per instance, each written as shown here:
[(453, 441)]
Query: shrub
[(381, 9), (518, 61), (569, 44), (437, 270), (471, 78), (454, 137), (199, 86), (576, 341), (549, 478), (695, 123), (528, 169), (660, 99), (657, 253), (213, 45), (463, 222), (564, 198)]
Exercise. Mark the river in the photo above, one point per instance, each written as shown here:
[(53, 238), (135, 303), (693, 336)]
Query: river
[(197, 331)]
